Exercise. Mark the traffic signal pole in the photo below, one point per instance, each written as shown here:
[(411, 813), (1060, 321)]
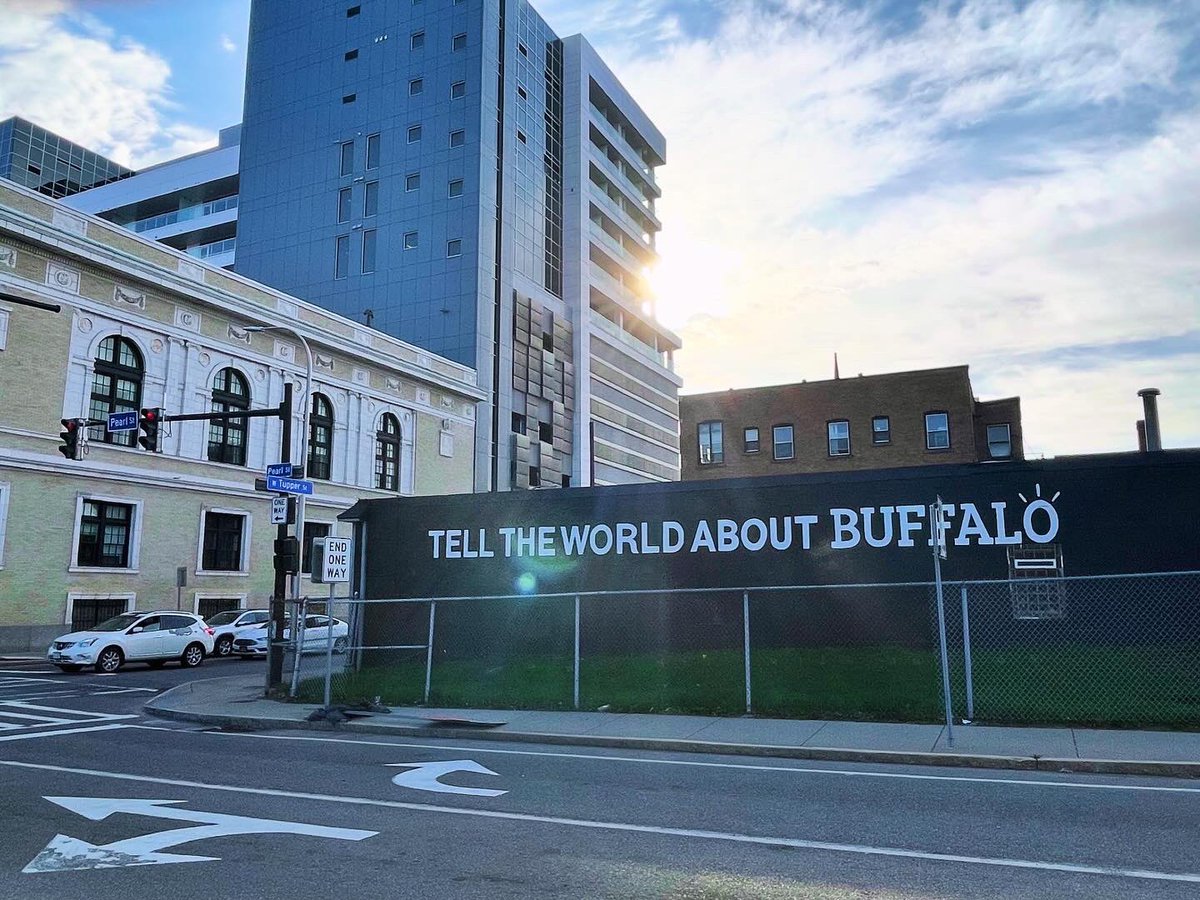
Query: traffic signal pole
[(279, 595)]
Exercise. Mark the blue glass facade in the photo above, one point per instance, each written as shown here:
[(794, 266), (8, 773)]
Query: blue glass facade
[(40, 159)]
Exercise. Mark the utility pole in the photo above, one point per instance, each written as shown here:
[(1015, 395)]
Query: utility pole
[(279, 594)]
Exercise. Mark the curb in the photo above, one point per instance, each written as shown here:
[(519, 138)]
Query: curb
[(673, 745)]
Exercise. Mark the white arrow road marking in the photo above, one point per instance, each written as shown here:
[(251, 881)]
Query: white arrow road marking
[(66, 853), (423, 776)]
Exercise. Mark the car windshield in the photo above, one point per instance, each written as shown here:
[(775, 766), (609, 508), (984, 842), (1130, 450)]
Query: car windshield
[(224, 618), (118, 623)]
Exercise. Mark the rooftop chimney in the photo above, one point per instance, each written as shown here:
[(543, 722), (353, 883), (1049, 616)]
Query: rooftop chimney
[(1141, 433), (1150, 411)]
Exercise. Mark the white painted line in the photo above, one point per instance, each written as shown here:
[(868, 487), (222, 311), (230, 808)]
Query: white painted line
[(28, 736), (732, 837), (801, 770), (86, 713), (45, 720)]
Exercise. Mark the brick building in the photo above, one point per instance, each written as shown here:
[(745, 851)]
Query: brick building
[(924, 417)]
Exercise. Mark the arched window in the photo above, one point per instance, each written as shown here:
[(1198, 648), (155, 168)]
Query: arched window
[(116, 387), (387, 454), (227, 437), (320, 438)]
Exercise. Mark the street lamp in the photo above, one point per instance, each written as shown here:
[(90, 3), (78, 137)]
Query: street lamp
[(298, 624)]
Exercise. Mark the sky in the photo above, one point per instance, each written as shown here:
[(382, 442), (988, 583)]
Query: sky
[(1009, 184)]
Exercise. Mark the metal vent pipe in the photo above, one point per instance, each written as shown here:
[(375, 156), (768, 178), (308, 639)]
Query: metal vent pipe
[(1150, 411)]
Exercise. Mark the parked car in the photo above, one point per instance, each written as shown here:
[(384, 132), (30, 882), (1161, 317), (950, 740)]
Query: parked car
[(153, 637), (232, 623), (253, 642)]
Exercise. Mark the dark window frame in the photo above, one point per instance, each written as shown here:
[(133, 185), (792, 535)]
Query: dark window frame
[(370, 237), (775, 443), (746, 442), (829, 438), (223, 542), (388, 441), (1007, 426), (949, 440), (705, 430), (886, 433), (103, 402), (320, 438), (312, 531), (346, 159), (374, 150), (90, 553), (223, 446)]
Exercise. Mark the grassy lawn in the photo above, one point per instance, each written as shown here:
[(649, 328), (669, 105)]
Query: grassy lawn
[(1093, 686)]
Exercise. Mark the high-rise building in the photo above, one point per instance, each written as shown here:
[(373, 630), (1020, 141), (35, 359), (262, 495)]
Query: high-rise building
[(456, 175), (39, 159), (189, 203)]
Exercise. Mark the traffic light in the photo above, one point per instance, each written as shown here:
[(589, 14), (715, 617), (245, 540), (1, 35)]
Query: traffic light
[(148, 427), (70, 436), (287, 555)]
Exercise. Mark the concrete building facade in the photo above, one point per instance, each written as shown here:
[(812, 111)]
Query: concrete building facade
[(458, 176), (145, 325), (893, 420)]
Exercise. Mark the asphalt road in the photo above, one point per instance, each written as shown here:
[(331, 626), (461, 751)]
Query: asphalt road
[(307, 814)]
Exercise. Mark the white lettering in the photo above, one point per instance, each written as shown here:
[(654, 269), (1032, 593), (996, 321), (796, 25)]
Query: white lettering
[(483, 550), (1001, 537), (545, 535), (727, 535), (626, 538), (454, 544), (574, 539), (468, 553), (1041, 537), (754, 543), (805, 523), (907, 525), (845, 529), (948, 510), (594, 542), (972, 526), (647, 547), (526, 539), (781, 532), (508, 540), (672, 539), (885, 514), (703, 538), (437, 543)]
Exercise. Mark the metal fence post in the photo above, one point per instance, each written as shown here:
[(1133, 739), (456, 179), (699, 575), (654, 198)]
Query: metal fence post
[(941, 611), (576, 693), (966, 631), (746, 643), (429, 648), (329, 648)]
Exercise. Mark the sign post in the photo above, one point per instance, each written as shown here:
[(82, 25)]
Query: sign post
[(331, 557), (937, 526)]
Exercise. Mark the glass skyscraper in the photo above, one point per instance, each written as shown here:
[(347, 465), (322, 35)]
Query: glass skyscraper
[(41, 160), (453, 173)]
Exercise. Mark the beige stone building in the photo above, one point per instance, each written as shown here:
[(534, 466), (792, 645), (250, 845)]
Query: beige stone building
[(142, 325)]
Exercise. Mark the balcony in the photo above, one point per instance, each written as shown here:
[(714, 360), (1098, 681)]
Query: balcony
[(613, 247), (218, 253), (187, 219), (629, 342), (621, 143)]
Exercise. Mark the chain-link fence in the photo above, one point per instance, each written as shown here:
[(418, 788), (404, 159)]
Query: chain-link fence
[(1100, 651)]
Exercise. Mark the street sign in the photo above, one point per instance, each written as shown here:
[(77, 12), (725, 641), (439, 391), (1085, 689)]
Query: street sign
[(279, 510), (281, 470), (124, 421), (333, 560), (940, 525), (289, 485)]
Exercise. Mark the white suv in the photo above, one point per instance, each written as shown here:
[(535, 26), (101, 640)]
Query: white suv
[(232, 624), (151, 637)]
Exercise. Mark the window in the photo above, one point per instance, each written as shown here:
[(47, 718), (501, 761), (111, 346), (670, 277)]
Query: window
[(347, 159), (459, 42), (881, 430), (227, 438), (521, 137), (456, 187), (521, 93), (839, 438), (223, 538), (416, 40), (312, 531), (999, 438), (116, 387), (414, 133), (458, 138), (518, 423), (546, 432), (410, 240), (535, 476), (341, 264), (353, 11), (712, 444), (453, 248), (105, 530), (209, 608), (458, 90), (368, 251), (750, 440), (370, 199), (373, 151), (522, 48), (351, 54), (88, 612), (349, 98), (343, 207), (320, 438), (783, 443), (387, 454), (416, 86), (412, 181), (937, 431)]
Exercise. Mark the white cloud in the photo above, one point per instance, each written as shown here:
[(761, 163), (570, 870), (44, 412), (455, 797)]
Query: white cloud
[(961, 190), (61, 68), (227, 44)]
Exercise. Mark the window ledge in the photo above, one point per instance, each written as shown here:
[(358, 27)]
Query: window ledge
[(221, 573), (100, 570)]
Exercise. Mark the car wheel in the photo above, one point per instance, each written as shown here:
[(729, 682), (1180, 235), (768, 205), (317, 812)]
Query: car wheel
[(156, 663), (224, 646), (193, 655), (70, 668), (109, 660), (339, 646)]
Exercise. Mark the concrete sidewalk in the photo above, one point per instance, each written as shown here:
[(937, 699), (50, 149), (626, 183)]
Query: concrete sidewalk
[(237, 702)]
